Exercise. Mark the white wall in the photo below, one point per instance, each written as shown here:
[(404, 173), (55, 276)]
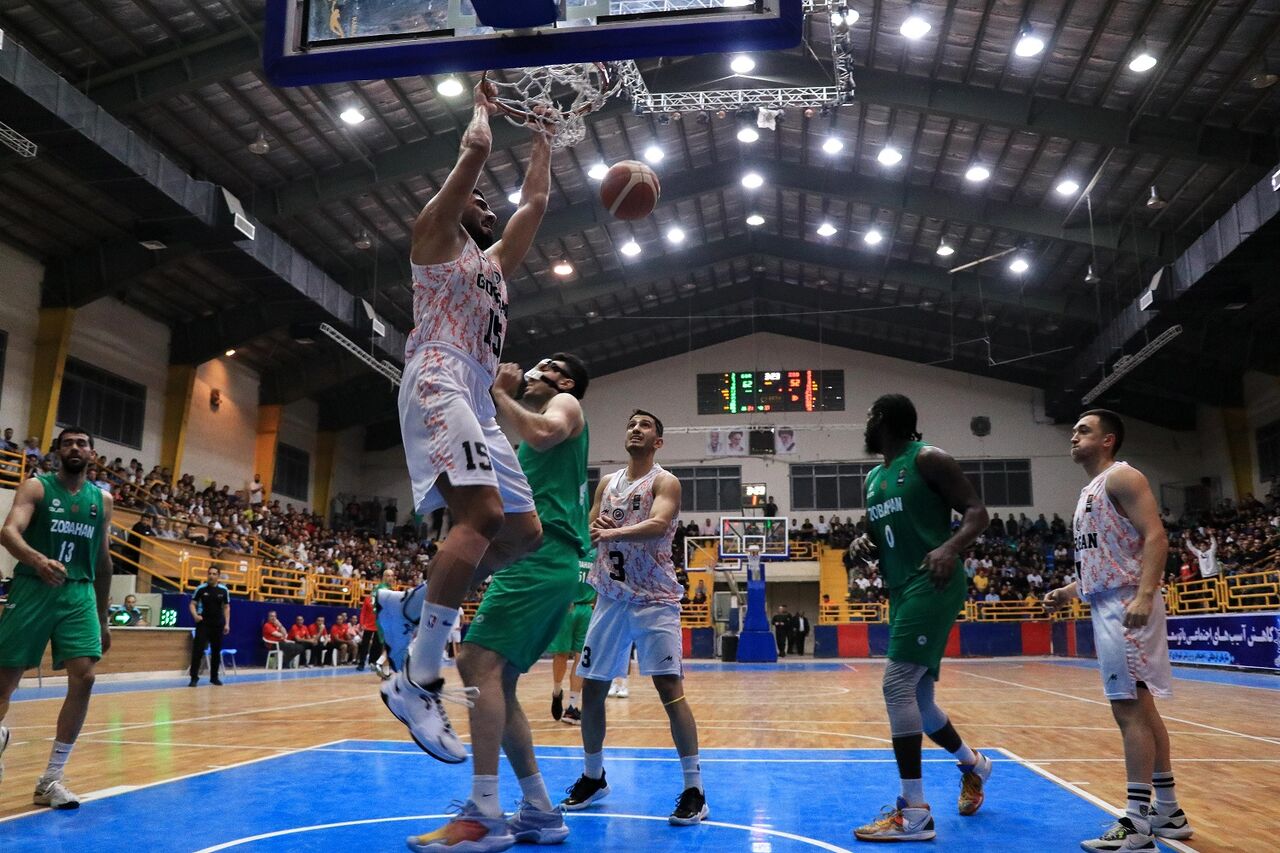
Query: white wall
[(384, 474), (349, 456), (945, 399), (20, 278), (1262, 402), (220, 445), (298, 429)]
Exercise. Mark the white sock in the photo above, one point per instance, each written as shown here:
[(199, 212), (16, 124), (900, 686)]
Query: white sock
[(692, 771), (573, 699), (427, 650), (1137, 806), (484, 793), (57, 760), (1166, 797), (535, 792), (965, 754), (593, 764), (913, 792)]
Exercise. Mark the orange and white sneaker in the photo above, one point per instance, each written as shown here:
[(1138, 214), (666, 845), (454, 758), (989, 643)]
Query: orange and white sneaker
[(468, 832), (972, 781), (899, 823)]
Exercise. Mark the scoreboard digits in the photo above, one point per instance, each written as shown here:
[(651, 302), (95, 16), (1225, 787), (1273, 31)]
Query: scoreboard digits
[(771, 391)]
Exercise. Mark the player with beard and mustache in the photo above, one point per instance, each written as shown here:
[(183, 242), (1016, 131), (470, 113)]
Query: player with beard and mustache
[(457, 456), (910, 498), (57, 531)]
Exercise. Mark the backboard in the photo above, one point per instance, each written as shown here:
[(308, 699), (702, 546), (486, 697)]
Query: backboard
[(738, 534), (330, 41)]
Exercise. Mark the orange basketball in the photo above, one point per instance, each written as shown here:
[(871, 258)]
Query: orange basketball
[(630, 190)]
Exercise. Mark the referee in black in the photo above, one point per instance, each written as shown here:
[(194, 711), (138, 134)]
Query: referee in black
[(211, 608)]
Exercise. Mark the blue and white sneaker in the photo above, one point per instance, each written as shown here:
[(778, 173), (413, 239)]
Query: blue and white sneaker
[(532, 825), (899, 822), (468, 832), (4, 744), (421, 709), (398, 613)]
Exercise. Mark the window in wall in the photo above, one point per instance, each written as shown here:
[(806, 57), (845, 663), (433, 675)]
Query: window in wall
[(829, 486), (593, 481), (109, 406), (4, 346), (293, 473), (1000, 482), (1268, 438), (710, 488)]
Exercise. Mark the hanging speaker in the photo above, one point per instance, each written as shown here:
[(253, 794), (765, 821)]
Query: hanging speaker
[(980, 426)]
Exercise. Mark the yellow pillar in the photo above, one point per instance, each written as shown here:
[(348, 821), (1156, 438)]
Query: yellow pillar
[(264, 451), (178, 391), (326, 456), (1240, 448), (53, 336)]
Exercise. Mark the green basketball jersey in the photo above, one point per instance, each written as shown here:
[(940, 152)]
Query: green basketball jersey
[(586, 592), (907, 518), (558, 478), (67, 528)]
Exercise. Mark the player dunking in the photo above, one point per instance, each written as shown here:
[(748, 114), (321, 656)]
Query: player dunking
[(57, 531), (633, 521), (456, 454), (1120, 553), (910, 497)]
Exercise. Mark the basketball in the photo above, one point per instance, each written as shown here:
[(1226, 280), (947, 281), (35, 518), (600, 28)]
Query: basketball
[(630, 190)]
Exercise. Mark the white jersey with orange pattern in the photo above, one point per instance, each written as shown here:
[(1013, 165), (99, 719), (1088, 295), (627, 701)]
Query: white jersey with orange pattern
[(460, 305), (635, 571), (1108, 546)]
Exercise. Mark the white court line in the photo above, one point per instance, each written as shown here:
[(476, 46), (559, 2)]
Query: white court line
[(168, 743), (753, 830), (623, 726), (1108, 705), (124, 789), (1080, 792)]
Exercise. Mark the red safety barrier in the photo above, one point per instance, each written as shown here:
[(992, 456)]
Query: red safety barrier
[(852, 640), (1037, 638)]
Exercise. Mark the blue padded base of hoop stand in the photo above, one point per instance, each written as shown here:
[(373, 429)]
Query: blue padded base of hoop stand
[(516, 14), (756, 643)]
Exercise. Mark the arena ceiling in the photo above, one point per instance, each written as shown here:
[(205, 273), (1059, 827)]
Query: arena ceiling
[(185, 76)]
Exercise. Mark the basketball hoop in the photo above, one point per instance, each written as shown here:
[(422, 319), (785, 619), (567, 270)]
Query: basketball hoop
[(537, 98), (753, 561)]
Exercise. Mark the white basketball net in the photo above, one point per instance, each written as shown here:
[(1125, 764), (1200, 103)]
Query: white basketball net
[(753, 560), (556, 99)]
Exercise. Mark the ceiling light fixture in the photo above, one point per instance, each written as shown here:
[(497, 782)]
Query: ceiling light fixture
[(826, 229), (260, 145), (1143, 61), (748, 134), (977, 174), (944, 250), (593, 314), (1067, 187), (514, 196), (630, 248), (1029, 44), (562, 268), (742, 64), (675, 234), (872, 237), (450, 87), (1154, 201), (364, 242), (1092, 277), (755, 220), (654, 154), (597, 172), (832, 145), (351, 115), (1264, 78), (915, 26), (229, 353), (1019, 265), (752, 180), (889, 156)]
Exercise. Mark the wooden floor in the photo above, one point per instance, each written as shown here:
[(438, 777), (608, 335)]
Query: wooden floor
[(1227, 755)]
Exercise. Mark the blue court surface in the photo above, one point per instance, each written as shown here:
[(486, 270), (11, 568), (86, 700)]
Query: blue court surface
[(369, 795)]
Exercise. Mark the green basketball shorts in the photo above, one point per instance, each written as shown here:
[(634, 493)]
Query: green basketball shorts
[(38, 614), (920, 620), (526, 602), (573, 631)]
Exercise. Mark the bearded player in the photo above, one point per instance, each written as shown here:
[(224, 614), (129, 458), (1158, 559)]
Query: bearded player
[(456, 453), (910, 498)]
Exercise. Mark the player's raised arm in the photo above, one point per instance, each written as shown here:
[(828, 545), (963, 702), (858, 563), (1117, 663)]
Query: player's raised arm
[(561, 419), (518, 236), (435, 231)]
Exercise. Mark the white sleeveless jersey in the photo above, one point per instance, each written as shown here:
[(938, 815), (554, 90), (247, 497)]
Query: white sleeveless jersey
[(1108, 546), (460, 305), (633, 571)]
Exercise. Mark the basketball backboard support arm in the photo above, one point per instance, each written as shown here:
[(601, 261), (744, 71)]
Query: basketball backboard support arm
[(303, 45)]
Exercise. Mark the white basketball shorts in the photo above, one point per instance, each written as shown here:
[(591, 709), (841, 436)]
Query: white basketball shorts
[(1128, 655), (615, 626), (449, 427)]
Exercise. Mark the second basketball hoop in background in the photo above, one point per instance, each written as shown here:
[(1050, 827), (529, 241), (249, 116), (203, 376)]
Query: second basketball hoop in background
[(630, 190)]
